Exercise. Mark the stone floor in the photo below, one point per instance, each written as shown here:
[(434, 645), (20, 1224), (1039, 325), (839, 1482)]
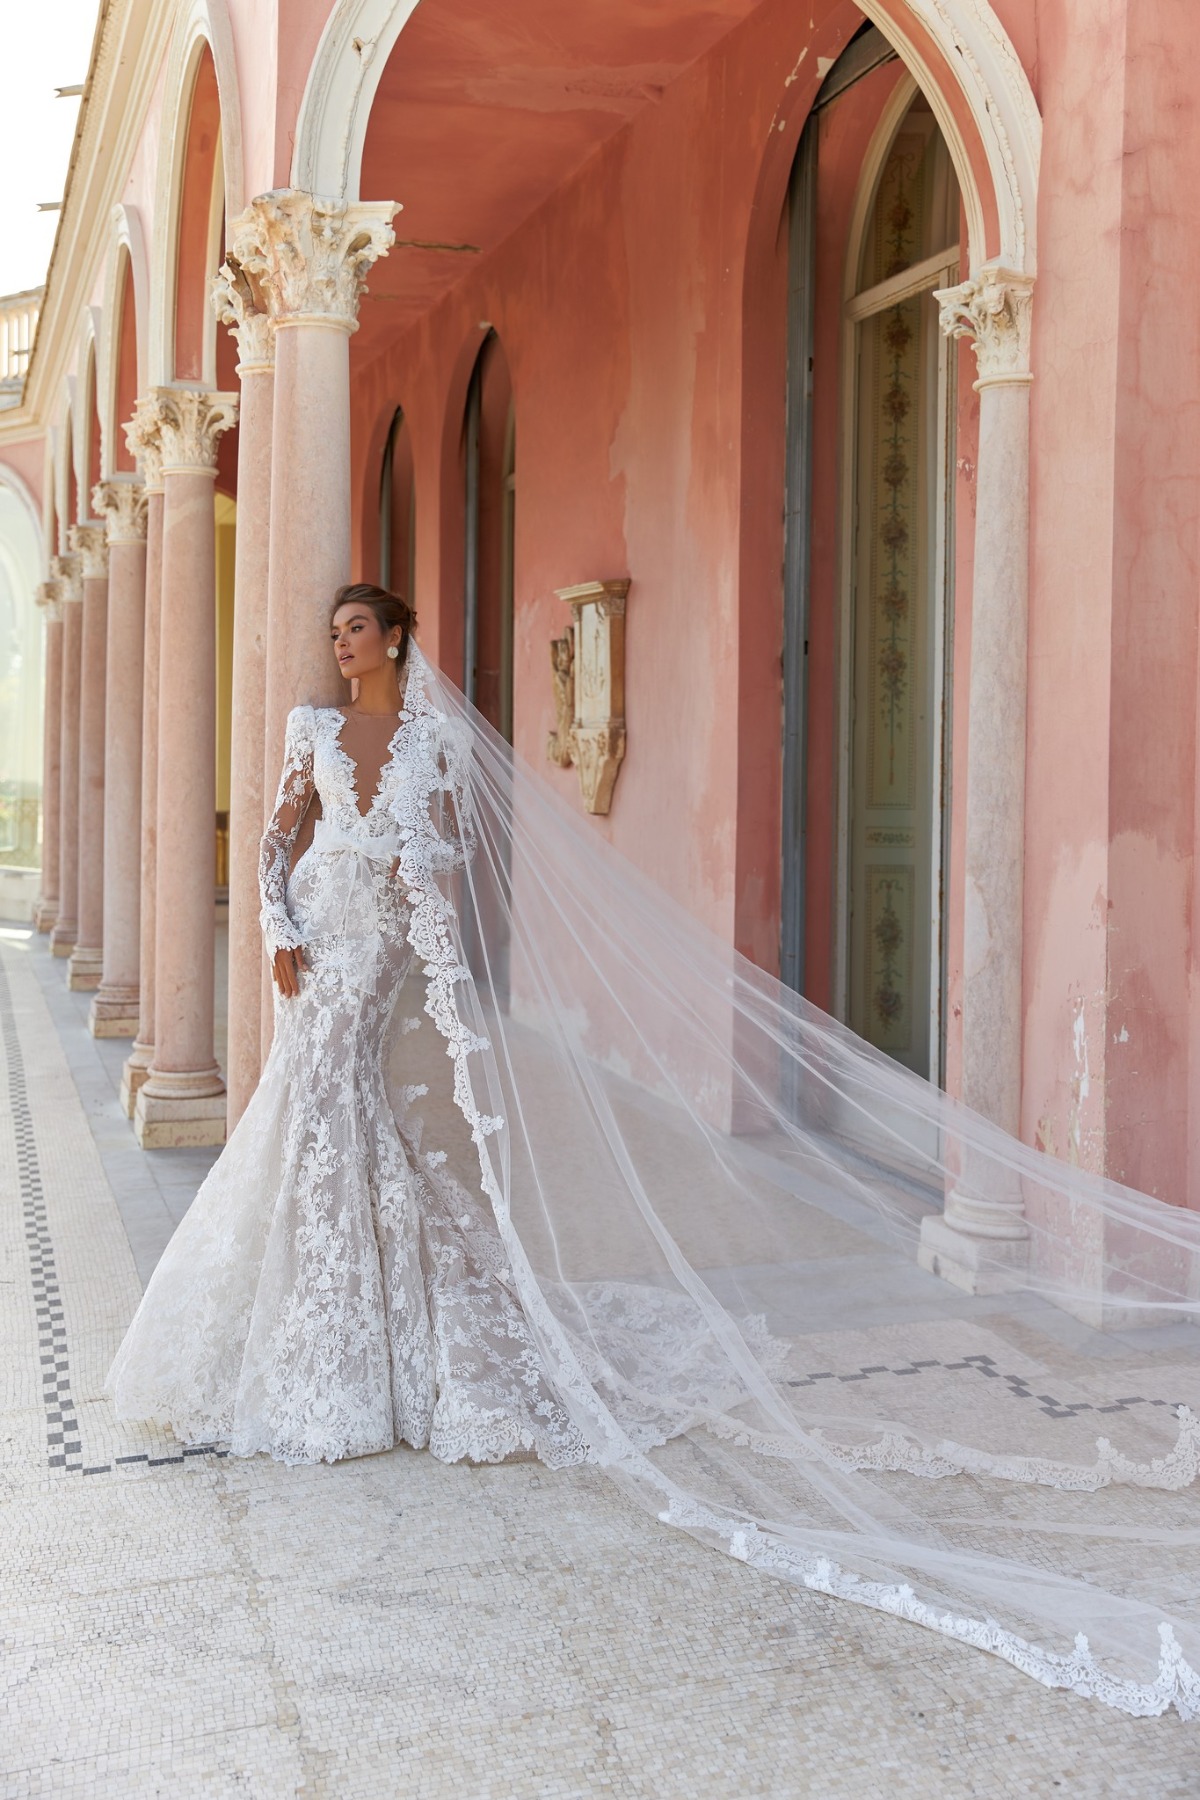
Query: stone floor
[(195, 1626)]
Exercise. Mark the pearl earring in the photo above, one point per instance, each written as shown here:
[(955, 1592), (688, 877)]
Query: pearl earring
[(393, 652)]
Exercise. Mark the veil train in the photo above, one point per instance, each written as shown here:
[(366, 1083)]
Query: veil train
[(711, 1198)]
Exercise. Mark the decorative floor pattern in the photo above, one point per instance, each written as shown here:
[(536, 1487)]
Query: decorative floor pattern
[(219, 1628)]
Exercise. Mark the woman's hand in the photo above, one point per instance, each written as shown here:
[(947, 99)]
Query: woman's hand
[(286, 970)]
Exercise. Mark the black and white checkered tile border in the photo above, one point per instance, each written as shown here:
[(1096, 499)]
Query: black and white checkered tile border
[(64, 1442), (1018, 1385), (64, 1445)]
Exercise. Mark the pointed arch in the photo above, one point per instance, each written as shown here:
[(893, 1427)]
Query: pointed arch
[(22, 560), (126, 312), (203, 29), (84, 391)]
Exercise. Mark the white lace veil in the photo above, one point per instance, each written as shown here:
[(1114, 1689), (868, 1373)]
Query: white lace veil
[(711, 1197)]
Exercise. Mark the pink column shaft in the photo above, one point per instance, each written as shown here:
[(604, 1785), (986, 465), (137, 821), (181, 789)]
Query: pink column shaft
[(47, 910), (310, 522), (183, 1064), (137, 1064), (62, 938), (246, 959), (115, 1008), (87, 956), (310, 530)]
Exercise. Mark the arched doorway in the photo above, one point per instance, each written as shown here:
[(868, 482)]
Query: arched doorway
[(897, 627), (489, 487), (398, 511), (20, 679), (871, 407)]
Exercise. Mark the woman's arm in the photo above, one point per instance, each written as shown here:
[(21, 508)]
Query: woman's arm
[(296, 788)]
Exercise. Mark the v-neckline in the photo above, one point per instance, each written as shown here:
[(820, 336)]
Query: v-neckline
[(352, 767)]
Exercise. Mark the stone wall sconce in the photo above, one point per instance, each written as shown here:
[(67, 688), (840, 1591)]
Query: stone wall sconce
[(588, 665)]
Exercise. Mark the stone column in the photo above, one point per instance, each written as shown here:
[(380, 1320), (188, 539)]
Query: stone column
[(142, 436), (90, 542), (46, 911), (976, 1238), (238, 306), (122, 502), (182, 1100), (309, 259), (68, 575)]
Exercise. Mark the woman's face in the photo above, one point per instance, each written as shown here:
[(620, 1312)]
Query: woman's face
[(360, 643)]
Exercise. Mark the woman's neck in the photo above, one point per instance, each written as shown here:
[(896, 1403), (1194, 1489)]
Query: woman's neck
[(379, 691)]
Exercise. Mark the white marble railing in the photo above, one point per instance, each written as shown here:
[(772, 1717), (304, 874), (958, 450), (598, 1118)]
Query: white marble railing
[(18, 322)]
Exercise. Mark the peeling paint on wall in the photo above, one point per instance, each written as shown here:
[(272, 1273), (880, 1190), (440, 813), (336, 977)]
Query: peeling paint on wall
[(1081, 1080)]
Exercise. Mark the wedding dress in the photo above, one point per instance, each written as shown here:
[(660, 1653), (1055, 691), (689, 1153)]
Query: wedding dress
[(332, 1291), (538, 1165)]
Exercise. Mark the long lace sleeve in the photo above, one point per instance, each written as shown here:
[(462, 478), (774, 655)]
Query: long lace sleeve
[(275, 849)]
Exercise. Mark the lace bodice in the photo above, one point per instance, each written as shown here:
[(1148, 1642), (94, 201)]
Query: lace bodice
[(317, 764)]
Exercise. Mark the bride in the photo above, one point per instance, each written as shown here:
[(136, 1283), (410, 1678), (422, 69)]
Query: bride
[(537, 1166), (331, 1292)]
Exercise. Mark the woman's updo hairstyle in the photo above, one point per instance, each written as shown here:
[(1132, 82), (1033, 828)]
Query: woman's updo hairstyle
[(391, 612)]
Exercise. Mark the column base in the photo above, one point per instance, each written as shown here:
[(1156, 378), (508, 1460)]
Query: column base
[(62, 938), (977, 1265), (114, 1013), (45, 913), (134, 1074), (85, 969), (180, 1111)]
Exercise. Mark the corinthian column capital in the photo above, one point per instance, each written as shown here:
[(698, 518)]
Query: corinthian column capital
[(67, 574), (190, 422), (308, 257), (995, 311), (238, 306), (122, 504), (90, 544), (46, 597), (142, 434)]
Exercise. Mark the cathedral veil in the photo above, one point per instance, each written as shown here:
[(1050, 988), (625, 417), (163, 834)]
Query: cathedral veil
[(711, 1198)]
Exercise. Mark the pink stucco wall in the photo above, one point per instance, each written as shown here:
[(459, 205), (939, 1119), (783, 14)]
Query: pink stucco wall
[(1116, 460), (632, 259), (624, 314), (27, 459)]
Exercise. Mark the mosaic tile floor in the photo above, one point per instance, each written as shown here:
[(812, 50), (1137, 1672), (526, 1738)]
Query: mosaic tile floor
[(202, 1627)]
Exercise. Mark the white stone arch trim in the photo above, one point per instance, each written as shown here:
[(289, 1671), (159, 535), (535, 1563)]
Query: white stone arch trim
[(60, 454), (200, 24), (978, 51), (335, 109), (128, 241), (359, 36), (85, 391), (49, 513)]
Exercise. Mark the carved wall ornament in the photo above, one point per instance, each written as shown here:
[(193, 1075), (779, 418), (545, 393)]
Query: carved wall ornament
[(308, 257), (595, 671), (90, 544), (995, 311), (560, 743), (238, 305), (121, 502), (142, 434), (190, 422), (67, 574)]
